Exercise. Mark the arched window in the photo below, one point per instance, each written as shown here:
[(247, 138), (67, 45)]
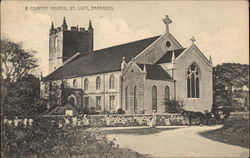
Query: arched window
[(167, 93), (56, 42), (193, 85), (74, 83), (72, 100), (98, 83), (112, 82), (126, 98), (154, 98), (86, 84), (135, 100)]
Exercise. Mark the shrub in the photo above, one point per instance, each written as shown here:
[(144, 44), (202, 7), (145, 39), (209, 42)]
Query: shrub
[(120, 111), (46, 139), (174, 105)]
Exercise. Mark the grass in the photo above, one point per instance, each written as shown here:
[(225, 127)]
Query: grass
[(234, 132), (137, 131)]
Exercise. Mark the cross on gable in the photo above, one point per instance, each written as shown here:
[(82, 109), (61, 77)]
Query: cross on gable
[(167, 21), (193, 40)]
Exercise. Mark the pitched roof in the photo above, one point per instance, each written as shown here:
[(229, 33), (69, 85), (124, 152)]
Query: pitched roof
[(156, 72), (168, 56), (100, 61), (62, 110)]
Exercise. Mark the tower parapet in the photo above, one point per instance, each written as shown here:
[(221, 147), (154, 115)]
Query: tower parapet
[(64, 42)]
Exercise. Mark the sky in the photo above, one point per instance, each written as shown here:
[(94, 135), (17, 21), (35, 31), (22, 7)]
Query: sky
[(221, 28)]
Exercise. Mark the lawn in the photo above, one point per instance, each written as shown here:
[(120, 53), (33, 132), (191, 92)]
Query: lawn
[(234, 132), (137, 131)]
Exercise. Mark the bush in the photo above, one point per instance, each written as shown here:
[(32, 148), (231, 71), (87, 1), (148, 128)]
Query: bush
[(174, 105), (120, 111), (46, 139)]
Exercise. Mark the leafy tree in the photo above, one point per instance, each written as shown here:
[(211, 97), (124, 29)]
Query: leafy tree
[(15, 61), (23, 97), (23, 88), (226, 78)]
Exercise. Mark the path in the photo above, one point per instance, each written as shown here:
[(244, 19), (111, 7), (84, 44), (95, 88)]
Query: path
[(181, 142)]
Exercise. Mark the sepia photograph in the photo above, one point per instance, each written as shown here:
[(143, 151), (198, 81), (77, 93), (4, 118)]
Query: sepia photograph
[(124, 79)]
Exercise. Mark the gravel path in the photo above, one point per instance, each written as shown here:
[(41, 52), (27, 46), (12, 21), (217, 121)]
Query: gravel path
[(181, 142)]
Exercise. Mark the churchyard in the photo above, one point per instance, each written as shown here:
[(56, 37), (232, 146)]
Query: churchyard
[(72, 136)]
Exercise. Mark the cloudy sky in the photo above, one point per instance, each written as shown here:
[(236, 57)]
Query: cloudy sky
[(220, 27)]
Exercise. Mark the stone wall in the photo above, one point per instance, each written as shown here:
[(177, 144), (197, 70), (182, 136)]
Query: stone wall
[(133, 81)]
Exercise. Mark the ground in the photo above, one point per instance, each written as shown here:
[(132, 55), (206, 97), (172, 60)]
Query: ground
[(174, 142)]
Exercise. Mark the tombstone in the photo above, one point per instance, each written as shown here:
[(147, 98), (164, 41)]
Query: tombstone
[(25, 122), (74, 121), (69, 112), (66, 121), (30, 122)]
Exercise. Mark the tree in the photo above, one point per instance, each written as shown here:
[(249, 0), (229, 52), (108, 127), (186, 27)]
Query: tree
[(23, 88), (23, 97), (226, 78), (15, 61)]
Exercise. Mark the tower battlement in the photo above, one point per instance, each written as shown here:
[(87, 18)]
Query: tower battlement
[(64, 43)]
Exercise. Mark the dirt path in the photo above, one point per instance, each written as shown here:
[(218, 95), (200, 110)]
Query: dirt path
[(181, 142)]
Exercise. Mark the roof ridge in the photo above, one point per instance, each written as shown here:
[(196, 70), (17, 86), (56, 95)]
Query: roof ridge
[(91, 52)]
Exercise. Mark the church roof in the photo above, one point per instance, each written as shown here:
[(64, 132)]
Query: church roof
[(155, 72), (168, 56), (100, 61)]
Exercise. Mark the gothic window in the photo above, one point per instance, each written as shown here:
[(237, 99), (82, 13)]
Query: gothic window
[(126, 98), (112, 82), (86, 84), (193, 85), (154, 98), (111, 102), (98, 83), (56, 45), (167, 93), (56, 42), (135, 100), (98, 103), (74, 83), (86, 103)]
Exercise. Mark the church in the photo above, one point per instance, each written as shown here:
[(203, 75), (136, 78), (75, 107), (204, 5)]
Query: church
[(136, 77)]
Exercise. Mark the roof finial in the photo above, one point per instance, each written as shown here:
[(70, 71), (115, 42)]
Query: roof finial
[(193, 40), (123, 64), (64, 21), (167, 21), (173, 56), (90, 26), (144, 68), (64, 25), (52, 26), (210, 59)]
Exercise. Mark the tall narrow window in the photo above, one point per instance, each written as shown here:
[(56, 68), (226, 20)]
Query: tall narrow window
[(98, 83), (193, 82), (135, 100), (111, 102), (98, 103), (126, 98), (86, 84), (112, 82), (74, 83), (154, 98), (167, 93), (86, 103)]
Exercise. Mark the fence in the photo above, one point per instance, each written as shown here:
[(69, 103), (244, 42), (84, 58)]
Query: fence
[(116, 120)]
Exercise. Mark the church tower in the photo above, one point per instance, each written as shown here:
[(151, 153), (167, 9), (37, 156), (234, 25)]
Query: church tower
[(64, 43)]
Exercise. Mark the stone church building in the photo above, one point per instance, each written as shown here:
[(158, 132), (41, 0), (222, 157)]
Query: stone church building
[(137, 76)]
